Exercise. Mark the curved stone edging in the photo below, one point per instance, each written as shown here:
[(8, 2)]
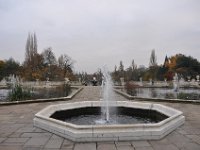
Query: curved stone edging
[(156, 99), (44, 100)]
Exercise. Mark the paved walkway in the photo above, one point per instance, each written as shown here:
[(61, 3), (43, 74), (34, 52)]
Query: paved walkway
[(17, 131)]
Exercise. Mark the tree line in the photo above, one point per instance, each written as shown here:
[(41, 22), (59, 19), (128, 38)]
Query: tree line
[(41, 66), (185, 66), (45, 65)]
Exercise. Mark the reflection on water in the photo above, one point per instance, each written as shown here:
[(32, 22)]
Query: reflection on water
[(97, 120), (162, 93), (40, 93), (4, 94)]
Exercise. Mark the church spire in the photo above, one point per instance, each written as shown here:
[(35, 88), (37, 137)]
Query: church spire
[(166, 62)]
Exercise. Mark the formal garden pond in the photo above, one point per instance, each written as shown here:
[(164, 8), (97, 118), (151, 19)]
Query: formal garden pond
[(165, 93), (29, 93)]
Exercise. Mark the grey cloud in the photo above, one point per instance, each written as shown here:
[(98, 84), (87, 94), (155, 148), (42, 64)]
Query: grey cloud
[(98, 32)]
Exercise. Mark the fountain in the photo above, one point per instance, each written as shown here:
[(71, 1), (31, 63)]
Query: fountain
[(3, 83), (107, 94), (188, 77), (197, 77), (150, 81), (175, 82), (99, 120), (47, 82), (182, 82), (141, 82), (37, 82), (122, 83), (3, 89)]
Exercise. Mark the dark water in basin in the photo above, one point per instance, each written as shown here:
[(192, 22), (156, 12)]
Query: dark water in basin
[(93, 116), (97, 119)]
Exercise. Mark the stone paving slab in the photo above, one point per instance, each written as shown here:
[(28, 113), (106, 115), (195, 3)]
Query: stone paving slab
[(84, 146), (106, 146), (67, 144), (123, 143), (165, 147), (18, 133), (15, 135), (10, 147), (194, 138), (140, 144), (54, 143), (125, 147), (37, 141), (2, 139), (35, 134), (16, 140), (144, 148), (191, 146)]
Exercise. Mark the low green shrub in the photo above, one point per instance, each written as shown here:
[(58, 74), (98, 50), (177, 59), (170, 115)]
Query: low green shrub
[(18, 93)]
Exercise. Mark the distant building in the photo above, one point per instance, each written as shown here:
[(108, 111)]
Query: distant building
[(141, 67)]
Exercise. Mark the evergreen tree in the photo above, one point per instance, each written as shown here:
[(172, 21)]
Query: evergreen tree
[(121, 69), (153, 67), (121, 66), (153, 59), (166, 62)]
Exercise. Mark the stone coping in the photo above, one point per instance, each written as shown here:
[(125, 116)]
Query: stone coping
[(78, 89), (155, 99), (121, 132)]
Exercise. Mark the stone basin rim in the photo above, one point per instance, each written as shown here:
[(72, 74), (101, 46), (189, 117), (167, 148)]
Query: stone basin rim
[(139, 125), (116, 132)]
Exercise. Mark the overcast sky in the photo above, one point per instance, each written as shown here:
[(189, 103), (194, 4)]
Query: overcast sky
[(95, 33)]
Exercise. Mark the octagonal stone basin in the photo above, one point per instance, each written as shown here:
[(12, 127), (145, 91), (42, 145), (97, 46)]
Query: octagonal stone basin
[(109, 132)]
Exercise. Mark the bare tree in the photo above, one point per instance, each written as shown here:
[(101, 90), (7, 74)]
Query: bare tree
[(50, 60), (65, 63), (49, 57)]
